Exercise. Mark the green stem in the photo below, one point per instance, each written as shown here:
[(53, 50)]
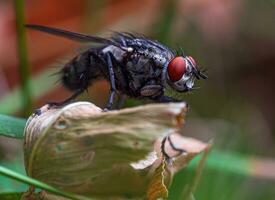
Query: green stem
[(30, 181), (24, 71), (198, 172), (11, 126), (162, 29), (228, 162)]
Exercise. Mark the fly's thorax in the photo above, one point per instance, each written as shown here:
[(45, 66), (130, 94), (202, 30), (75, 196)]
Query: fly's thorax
[(146, 65), (159, 59), (151, 50), (117, 52), (155, 55)]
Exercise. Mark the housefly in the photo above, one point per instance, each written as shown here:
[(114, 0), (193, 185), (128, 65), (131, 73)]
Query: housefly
[(133, 64)]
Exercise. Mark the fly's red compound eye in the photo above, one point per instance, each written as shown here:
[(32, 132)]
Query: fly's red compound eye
[(176, 68), (193, 61)]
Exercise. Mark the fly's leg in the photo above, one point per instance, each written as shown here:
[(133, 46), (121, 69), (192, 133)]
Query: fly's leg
[(163, 151), (68, 100), (62, 103), (112, 82)]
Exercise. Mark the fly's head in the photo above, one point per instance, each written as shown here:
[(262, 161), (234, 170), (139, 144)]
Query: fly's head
[(182, 72)]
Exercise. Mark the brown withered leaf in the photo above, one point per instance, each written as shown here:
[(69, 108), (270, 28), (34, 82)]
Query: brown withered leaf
[(157, 188), (164, 172), (108, 155)]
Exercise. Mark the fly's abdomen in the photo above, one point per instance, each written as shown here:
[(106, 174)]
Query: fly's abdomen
[(76, 74)]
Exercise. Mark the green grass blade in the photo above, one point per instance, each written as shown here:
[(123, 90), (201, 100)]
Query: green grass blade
[(230, 162), (24, 71), (227, 162), (30, 181), (11, 126), (188, 193), (237, 164), (8, 185)]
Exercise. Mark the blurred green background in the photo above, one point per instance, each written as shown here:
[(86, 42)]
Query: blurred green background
[(234, 40)]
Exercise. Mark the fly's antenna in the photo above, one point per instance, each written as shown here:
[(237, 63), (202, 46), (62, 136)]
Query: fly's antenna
[(199, 74)]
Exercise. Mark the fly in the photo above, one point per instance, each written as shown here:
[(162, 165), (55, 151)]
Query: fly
[(134, 66)]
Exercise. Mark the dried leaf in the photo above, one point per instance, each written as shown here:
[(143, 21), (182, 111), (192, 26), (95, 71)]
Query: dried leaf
[(157, 188), (190, 148), (82, 150)]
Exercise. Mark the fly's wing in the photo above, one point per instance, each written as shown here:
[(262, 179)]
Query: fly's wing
[(71, 35)]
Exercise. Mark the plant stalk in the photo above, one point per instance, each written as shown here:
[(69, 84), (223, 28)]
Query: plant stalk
[(23, 65)]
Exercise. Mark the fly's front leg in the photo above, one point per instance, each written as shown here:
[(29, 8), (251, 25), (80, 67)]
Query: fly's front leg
[(112, 81), (155, 92)]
